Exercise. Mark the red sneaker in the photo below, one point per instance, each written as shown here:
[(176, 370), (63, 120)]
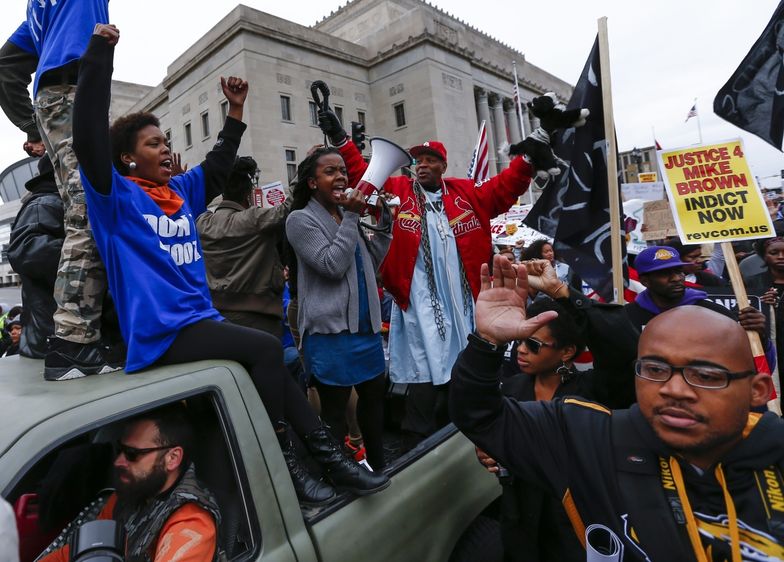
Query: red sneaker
[(356, 450)]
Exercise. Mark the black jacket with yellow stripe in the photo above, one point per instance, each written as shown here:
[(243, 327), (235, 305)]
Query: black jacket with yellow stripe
[(609, 468)]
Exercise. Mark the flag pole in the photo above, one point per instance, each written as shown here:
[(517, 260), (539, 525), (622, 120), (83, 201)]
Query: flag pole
[(699, 123), (612, 163), (519, 110)]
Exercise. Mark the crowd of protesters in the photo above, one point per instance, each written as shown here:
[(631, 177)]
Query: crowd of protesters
[(660, 440)]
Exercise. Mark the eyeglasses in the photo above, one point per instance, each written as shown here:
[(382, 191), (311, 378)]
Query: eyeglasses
[(698, 376), (132, 454), (534, 345)]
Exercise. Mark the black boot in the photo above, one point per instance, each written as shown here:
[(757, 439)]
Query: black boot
[(343, 471), (310, 491)]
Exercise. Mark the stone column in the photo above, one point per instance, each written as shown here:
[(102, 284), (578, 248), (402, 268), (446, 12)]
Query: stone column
[(513, 122), (483, 111), (500, 130)]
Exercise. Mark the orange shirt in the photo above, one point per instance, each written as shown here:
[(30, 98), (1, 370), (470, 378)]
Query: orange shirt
[(189, 535)]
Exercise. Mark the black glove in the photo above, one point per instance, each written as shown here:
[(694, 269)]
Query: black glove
[(330, 124)]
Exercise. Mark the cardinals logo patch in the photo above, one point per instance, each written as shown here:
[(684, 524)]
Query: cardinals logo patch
[(466, 221), (408, 217)]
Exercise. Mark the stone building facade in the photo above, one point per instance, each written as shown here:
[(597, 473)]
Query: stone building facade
[(406, 69)]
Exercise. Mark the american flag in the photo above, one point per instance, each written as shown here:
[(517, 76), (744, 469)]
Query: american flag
[(518, 102), (479, 169), (692, 112)]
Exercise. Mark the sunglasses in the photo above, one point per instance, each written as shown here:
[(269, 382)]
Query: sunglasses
[(132, 454), (534, 345)]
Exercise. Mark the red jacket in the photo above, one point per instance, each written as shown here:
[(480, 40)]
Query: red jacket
[(469, 209)]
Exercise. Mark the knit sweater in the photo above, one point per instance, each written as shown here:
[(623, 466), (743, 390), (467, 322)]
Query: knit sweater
[(327, 271)]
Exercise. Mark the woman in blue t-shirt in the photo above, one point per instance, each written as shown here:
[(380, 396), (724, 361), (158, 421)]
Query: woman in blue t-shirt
[(339, 309), (143, 220)]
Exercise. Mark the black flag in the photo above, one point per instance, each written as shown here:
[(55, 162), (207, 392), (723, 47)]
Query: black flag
[(753, 97), (574, 209)]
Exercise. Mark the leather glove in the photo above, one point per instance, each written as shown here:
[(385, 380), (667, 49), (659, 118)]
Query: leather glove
[(330, 124)]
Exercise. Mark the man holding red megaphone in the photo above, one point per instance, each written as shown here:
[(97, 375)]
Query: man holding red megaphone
[(441, 237)]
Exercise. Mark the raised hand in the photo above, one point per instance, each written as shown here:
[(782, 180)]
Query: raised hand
[(542, 277), (109, 31), (236, 91), (500, 307), (34, 148), (177, 166), (330, 125)]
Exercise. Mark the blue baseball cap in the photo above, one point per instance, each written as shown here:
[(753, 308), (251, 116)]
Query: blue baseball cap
[(656, 258)]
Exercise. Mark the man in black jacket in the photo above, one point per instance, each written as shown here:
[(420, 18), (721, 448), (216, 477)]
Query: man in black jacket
[(34, 251), (689, 473)]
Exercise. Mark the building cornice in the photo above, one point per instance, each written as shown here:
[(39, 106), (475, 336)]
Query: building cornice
[(505, 73), (245, 19), (155, 98), (435, 17), (351, 4)]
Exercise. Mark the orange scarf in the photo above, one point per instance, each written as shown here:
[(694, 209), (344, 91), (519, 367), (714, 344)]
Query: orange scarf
[(167, 199)]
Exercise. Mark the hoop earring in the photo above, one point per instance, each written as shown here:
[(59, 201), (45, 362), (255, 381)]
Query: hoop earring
[(132, 166), (564, 372)]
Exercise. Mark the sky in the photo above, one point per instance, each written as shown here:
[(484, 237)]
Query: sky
[(663, 54)]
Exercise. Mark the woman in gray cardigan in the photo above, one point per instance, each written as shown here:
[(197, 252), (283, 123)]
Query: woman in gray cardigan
[(339, 309)]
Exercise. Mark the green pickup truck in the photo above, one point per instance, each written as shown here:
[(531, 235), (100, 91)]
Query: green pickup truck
[(55, 455)]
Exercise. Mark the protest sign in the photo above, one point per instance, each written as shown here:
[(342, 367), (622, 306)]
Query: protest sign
[(644, 177), (650, 191), (659, 223), (633, 221), (725, 297), (269, 195), (508, 228), (713, 196)]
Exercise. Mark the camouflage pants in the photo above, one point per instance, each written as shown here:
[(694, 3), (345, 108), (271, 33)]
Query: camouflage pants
[(81, 277)]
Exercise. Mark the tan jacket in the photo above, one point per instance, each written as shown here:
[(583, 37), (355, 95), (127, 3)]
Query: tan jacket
[(244, 269)]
